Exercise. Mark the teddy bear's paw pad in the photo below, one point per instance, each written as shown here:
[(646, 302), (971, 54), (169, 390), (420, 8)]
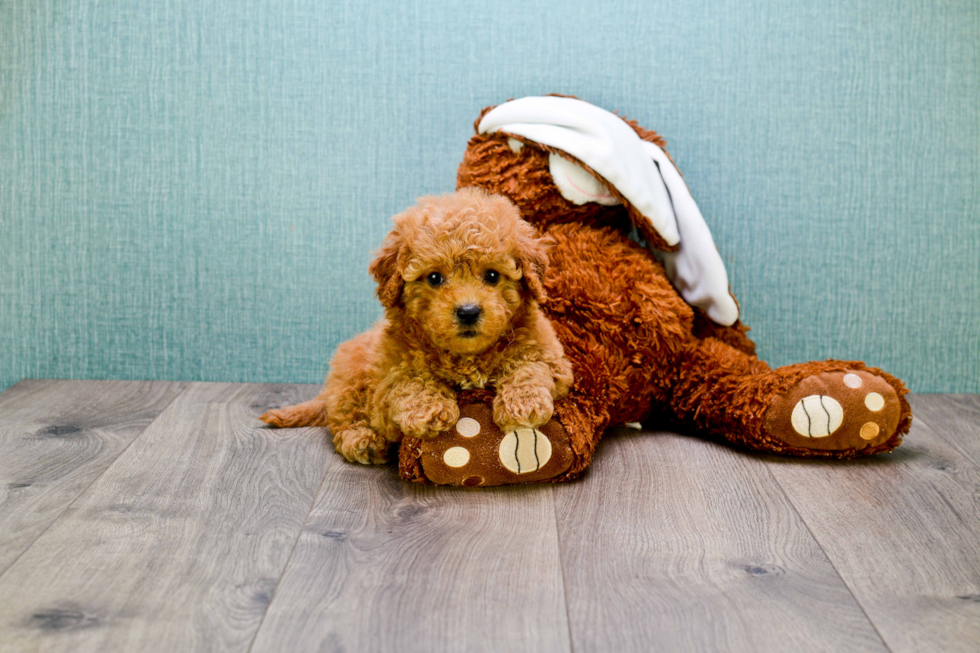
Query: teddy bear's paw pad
[(523, 451), (475, 452), (835, 411), (817, 416)]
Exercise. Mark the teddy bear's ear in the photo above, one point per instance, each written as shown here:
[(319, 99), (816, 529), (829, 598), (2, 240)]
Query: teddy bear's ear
[(386, 270), (532, 257)]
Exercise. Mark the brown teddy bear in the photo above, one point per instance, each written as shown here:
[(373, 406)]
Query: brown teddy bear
[(638, 297)]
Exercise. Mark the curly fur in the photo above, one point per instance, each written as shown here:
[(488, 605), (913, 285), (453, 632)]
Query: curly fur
[(402, 376)]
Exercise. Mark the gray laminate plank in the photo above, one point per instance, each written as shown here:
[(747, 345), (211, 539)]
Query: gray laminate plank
[(955, 418), (903, 530), (181, 542), (677, 544), (384, 565), (56, 438)]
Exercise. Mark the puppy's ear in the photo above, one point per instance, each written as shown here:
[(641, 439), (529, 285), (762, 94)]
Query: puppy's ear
[(532, 257), (386, 270)]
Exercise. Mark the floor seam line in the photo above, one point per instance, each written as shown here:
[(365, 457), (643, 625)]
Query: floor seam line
[(285, 567), (96, 479), (813, 536), (953, 444), (561, 568)]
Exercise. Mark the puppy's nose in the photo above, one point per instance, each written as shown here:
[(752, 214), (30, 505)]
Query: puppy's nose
[(468, 314)]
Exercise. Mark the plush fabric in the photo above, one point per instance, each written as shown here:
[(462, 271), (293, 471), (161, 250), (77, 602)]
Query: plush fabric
[(696, 269)]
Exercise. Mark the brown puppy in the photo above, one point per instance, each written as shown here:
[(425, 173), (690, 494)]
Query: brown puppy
[(460, 280)]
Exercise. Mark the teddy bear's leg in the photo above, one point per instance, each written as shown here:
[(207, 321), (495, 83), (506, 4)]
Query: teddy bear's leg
[(584, 426), (476, 452), (828, 408)]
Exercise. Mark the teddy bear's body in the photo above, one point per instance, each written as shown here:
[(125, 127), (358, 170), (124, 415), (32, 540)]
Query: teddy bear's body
[(640, 352)]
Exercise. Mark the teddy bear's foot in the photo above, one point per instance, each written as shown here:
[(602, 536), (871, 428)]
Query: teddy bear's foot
[(846, 411), (475, 452)]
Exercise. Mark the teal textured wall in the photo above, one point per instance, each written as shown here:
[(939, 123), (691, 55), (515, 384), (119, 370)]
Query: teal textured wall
[(191, 189)]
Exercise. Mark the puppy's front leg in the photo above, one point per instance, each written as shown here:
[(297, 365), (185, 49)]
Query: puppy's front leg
[(422, 408), (525, 397)]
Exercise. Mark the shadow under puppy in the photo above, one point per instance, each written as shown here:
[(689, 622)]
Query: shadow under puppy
[(460, 279)]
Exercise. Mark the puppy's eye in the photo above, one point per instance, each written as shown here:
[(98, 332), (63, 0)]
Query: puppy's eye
[(434, 279), (491, 277)]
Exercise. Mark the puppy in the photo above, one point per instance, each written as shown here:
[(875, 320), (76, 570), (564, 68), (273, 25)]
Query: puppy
[(460, 279)]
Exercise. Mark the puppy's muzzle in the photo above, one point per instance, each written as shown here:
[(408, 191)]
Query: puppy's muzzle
[(468, 314)]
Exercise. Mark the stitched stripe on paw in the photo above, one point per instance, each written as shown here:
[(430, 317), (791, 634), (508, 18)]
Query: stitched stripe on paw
[(817, 416)]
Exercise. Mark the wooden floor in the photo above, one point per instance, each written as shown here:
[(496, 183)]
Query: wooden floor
[(151, 516)]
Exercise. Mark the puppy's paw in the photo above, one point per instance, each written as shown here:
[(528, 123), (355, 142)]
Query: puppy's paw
[(427, 417), (525, 406), (361, 444)]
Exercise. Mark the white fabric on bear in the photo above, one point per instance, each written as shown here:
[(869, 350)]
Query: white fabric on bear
[(696, 268), (576, 184), (599, 139), (640, 172)]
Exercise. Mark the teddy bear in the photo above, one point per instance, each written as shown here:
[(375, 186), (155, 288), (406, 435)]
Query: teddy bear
[(638, 296)]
